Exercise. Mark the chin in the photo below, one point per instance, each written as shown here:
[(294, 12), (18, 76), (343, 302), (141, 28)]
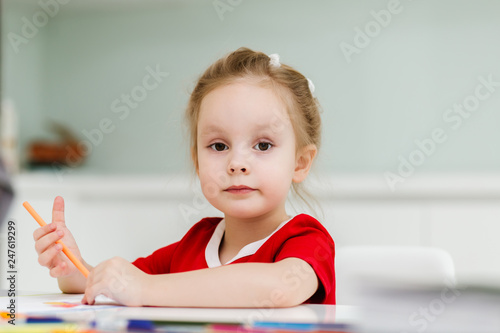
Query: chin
[(243, 212), (244, 209)]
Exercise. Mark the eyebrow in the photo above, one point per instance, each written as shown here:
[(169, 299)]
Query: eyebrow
[(210, 130), (213, 128)]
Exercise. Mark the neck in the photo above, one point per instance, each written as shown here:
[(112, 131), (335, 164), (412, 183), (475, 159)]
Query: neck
[(240, 232)]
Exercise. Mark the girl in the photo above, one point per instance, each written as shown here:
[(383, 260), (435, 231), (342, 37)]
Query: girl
[(255, 131)]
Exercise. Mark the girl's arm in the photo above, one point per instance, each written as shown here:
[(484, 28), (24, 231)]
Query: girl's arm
[(285, 283)]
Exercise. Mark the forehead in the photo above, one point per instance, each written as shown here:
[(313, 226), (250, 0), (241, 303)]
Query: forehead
[(242, 103)]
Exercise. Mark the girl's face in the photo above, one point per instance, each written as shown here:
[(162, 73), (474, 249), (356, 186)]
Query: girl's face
[(246, 151)]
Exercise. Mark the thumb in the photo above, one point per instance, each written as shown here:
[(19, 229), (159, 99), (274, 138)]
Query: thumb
[(58, 210)]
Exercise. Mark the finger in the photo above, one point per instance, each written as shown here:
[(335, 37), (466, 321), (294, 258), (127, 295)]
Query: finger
[(48, 240), (87, 298), (42, 231), (58, 270), (45, 259), (87, 295), (58, 210), (90, 282), (91, 293), (94, 285)]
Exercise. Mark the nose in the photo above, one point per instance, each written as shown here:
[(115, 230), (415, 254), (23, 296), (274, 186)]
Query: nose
[(237, 165), (237, 170)]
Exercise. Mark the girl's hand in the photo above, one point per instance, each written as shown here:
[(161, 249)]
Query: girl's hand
[(117, 279), (49, 252)]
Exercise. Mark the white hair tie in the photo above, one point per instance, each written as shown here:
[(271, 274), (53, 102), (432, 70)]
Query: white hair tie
[(311, 85), (274, 60)]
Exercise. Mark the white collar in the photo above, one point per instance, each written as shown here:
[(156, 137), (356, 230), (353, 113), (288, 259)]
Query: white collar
[(212, 249)]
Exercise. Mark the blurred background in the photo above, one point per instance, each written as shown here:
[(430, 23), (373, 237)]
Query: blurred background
[(93, 94)]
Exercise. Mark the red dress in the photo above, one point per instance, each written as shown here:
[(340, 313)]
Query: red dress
[(301, 237)]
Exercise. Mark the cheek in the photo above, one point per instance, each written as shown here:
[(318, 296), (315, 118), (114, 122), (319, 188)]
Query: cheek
[(207, 162), (204, 167), (287, 160), (211, 171), (278, 169), (208, 183)]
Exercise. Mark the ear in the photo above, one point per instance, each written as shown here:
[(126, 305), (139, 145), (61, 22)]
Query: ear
[(303, 162)]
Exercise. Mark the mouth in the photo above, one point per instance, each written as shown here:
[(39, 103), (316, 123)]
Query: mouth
[(239, 189)]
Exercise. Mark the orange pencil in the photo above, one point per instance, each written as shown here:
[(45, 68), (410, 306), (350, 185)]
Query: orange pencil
[(65, 249)]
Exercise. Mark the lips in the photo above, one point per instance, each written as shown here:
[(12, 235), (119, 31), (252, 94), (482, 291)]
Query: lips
[(239, 189)]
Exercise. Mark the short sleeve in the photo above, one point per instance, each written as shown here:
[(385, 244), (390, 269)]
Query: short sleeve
[(184, 255), (313, 244), (158, 262)]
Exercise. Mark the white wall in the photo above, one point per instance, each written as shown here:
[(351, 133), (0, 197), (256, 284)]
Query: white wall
[(377, 102)]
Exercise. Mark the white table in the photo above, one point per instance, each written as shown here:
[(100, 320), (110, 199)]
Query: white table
[(106, 310)]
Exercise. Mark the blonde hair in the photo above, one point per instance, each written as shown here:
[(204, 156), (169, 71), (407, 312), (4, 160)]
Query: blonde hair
[(290, 85)]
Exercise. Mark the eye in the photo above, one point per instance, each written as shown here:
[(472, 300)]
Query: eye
[(263, 146), (218, 146)]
